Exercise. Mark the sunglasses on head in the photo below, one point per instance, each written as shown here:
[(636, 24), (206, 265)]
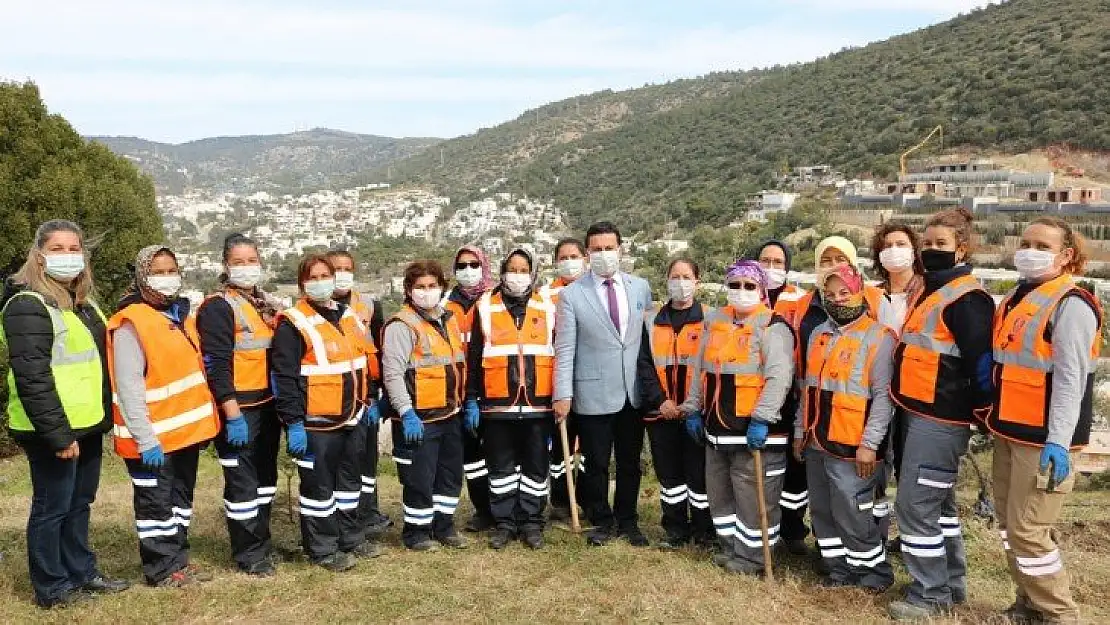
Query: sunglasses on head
[(747, 286), (472, 264)]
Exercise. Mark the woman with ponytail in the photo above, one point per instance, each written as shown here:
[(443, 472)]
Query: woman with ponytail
[(235, 328), (942, 380), (1047, 338)]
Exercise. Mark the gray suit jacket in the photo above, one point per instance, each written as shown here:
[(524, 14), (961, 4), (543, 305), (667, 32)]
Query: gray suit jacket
[(594, 366)]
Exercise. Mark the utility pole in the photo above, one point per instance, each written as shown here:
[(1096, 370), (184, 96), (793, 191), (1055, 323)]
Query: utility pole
[(441, 157)]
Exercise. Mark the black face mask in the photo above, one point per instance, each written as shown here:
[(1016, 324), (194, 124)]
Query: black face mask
[(844, 315), (938, 260)]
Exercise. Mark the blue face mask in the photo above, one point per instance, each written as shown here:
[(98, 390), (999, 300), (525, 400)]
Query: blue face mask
[(64, 267), (320, 290)]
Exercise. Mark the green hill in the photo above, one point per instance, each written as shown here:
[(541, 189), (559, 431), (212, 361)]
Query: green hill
[(1014, 76), (318, 158)]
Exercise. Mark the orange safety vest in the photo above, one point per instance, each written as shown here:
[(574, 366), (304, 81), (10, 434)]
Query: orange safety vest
[(250, 355), (929, 378), (836, 387), (732, 375), (436, 373), (1023, 364), (364, 313), (873, 296), (674, 353), (518, 365), (333, 364), (179, 404), (464, 319), (789, 303)]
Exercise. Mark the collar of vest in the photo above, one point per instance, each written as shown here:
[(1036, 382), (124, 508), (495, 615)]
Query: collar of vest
[(696, 314), (937, 279)]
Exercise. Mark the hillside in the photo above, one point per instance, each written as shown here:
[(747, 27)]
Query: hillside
[(1008, 77), (315, 158)]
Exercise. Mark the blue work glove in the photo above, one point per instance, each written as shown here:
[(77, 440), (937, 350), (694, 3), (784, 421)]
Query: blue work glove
[(471, 416), (371, 415), (412, 427), (154, 458), (1057, 456), (237, 432), (694, 427), (296, 439), (757, 434)]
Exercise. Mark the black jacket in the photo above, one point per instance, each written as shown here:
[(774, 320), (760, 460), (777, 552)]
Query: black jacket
[(30, 340)]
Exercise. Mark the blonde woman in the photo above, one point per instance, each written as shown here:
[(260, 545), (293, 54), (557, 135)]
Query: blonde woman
[(59, 407)]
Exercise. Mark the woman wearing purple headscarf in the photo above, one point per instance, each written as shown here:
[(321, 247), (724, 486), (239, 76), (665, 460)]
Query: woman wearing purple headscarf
[(742, 374), (473, 279)]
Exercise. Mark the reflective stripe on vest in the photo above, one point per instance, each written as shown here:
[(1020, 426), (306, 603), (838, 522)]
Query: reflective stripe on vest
[(248, 336), (433, 361), (332, 363), (74, 364), (532, 347), (1024, 362), (308, 326), (924, 325), (837, 384), (670, 351), (732, 349), (178, 403)]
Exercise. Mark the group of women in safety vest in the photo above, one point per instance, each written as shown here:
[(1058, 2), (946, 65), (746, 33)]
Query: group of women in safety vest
[(833, 388)]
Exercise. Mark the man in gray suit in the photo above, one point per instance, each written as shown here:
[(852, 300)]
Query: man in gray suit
[(599, 332)]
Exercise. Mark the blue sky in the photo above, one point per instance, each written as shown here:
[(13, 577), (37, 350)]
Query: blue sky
[(175, 70)]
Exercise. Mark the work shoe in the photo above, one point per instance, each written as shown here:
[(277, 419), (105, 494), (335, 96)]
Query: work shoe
[(635, 537), (906, 611), (672, 543), (424, 544), (480, 523), (600, 536), (455, 541), (743, 567), (177, 579), (367, 549), (198, 574), (533, 538), (379, 526), (101, 585), (836, 582), (559, 513), (500, 538), (796, 547), (68, 599), (262, 568), (338, 562), (1021, 613), (722, 558)]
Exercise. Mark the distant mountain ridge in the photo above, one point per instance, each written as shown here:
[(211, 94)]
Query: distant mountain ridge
[(312, 159), (1012, 76)]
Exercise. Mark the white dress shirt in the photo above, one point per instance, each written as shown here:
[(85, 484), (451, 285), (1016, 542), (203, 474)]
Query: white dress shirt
[(622, 299)]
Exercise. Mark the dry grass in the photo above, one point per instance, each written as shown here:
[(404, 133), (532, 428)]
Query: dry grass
[(567, 582)]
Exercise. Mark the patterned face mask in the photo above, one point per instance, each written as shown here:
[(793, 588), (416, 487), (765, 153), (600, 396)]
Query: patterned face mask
[(845, 314)]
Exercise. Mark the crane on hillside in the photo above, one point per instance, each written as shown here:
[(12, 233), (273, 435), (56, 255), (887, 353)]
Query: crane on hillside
[(902, 161)]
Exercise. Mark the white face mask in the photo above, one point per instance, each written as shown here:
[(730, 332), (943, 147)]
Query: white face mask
[(605, 263), (775, 277), (427, 298), (344, 281), (468, 277), (1033, 264), (320, 290), (516, 284), (64, 266), (743, 300), (571, 268), (680, 290), (245, 276), (896, 258), (166, 285)]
